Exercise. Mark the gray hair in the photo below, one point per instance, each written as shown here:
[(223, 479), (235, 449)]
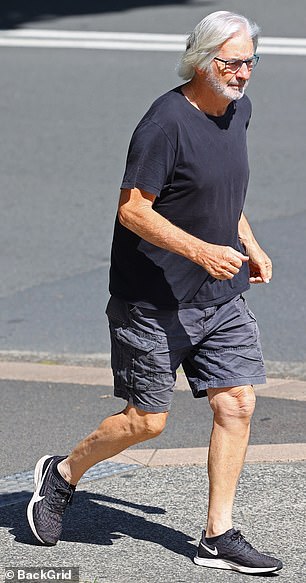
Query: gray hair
[(204, 43)]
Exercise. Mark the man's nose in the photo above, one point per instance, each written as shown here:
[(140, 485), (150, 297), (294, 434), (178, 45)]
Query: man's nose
[(244, 72)]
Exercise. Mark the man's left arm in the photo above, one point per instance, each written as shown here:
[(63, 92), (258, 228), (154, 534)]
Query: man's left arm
[(259, 263)]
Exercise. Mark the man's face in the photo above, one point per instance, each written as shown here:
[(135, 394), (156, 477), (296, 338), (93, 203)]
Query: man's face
[(231, 85)]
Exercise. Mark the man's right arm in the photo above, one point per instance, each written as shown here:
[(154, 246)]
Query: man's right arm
[(135, 212)]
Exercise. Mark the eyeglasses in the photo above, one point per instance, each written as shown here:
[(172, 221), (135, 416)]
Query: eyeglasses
[(234, 65)]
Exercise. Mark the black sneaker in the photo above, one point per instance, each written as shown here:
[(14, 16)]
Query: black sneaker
[(49, 501), (231, 551)]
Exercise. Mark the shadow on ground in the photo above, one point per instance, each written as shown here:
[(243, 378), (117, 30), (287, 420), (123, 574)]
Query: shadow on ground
[(14, 13), (93, 519)]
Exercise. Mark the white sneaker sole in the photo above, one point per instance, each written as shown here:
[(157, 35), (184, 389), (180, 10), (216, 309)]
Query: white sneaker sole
[(223, 564), (38, 480)]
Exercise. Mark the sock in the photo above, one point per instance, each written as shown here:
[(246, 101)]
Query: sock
[(213, 539), (58, 475)]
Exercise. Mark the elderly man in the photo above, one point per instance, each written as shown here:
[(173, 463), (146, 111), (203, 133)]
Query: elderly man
[(182, 255)]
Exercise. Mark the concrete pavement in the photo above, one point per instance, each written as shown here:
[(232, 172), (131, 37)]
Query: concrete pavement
[(138, 516), (143, 526)]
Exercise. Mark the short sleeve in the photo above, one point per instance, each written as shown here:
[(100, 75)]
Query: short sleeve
[(150, 159)]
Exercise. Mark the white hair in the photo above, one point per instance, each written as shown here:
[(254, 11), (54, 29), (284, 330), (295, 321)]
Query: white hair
[(204, 43)]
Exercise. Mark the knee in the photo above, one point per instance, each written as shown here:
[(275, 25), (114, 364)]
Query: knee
[(146, 425), (234, 403), (154, 424), (245, 401)]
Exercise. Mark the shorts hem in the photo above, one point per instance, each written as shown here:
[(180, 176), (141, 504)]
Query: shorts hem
[(146, 408), (232, 382)]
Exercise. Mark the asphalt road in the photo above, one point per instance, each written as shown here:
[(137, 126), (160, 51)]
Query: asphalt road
[(61, 415), (66, 118)]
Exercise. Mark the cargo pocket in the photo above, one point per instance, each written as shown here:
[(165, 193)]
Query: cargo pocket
[(131, 358), (249, 332), (243, 307)]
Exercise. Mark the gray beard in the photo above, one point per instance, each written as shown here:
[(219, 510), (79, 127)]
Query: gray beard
[(226, 91)]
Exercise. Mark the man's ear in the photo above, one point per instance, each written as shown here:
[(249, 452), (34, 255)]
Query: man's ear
[(200, 72)]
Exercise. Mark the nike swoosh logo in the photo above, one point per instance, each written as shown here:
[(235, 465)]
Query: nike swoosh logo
[(36, 496), (209, 550)]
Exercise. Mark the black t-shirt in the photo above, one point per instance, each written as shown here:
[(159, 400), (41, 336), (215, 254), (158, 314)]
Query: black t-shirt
[(197, 166)]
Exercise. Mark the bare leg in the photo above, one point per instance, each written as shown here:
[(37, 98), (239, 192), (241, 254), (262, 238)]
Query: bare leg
[(233, 408), (115, 434)]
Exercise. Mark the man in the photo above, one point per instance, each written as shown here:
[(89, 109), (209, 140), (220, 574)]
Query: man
[(182, 255)]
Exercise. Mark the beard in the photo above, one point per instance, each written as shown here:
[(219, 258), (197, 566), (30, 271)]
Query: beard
[(232, 91)]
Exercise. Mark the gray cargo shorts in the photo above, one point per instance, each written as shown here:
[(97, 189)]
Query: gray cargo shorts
[(217, 347)]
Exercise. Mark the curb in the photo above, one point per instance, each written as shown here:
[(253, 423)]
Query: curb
[(97, 376), (189, 456), (275, 369)]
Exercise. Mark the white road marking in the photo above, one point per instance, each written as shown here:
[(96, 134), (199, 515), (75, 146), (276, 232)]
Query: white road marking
[(89, 44), (93, 35), (133, 41)]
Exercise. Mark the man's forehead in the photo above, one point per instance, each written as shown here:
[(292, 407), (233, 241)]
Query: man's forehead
[(238, 46)]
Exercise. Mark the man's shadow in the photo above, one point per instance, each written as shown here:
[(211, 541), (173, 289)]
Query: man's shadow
[(92, 519)]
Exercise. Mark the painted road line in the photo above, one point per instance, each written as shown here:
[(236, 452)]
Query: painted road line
[(88, 44), (282, 50), (273, 40), (96, 40), (93, 35), (128, 36)]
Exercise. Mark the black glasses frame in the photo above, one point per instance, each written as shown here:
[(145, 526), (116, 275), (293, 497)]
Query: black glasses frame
[(236, 64)]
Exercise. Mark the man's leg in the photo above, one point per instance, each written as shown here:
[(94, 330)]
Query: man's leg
[(222, 546), (55, 477), (144, 376), (233, 409), (116, 433)]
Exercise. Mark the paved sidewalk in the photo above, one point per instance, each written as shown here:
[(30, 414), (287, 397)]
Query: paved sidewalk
[(138, 517), (143, 526), (95, 375)]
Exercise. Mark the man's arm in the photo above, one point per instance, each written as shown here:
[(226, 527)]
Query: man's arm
[(135, 212), (260, 264)]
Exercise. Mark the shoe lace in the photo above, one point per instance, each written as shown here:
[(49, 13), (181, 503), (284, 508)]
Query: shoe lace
[(60, 498), (239, 538)]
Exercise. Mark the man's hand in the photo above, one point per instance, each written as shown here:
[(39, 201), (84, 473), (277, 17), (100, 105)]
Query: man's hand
[(259, 263), (222, 262), (260, 266), (136, 213)]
